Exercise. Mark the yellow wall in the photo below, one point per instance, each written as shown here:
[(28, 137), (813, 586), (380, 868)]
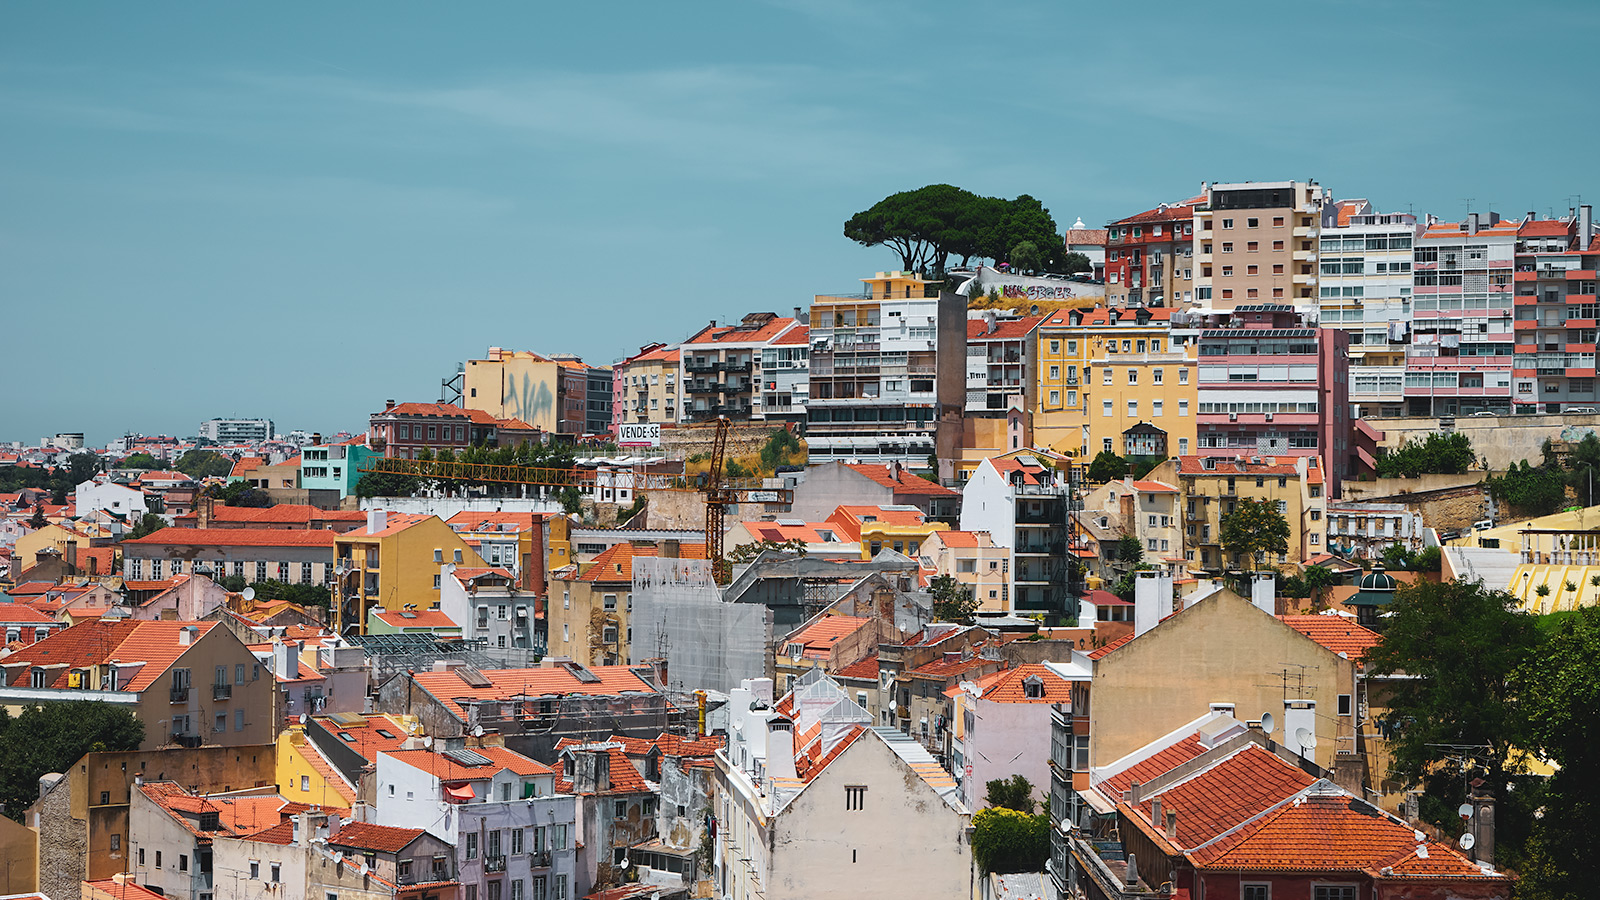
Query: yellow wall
[(659, 387), (576, 617), (292, 766), (51, 536), (1213, 500), (407, 564), (516, 385), (909, 537), (982, 579), (1065, 408)]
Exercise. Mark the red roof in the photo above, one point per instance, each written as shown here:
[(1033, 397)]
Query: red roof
[(245, 465), (625, 779), (1229, 793), (1009, 685), (468, 573), (446, 769), (958, 538), (451, 411), (1227, 465), (866, 667), (615, 563), (282, 514), (126, 890), (1546, 228), (1154, 487), (1158, 763), (377, 838), (1102, 652), (1004, 329), (820, 635), (236, 537), (236, 816), (153, 643), (734, 334), (368, 737), (800, 334), (22, 613), (906, 483), (504, 684), (1183, 210), (1337, 633), (417, 618), (473, 520)]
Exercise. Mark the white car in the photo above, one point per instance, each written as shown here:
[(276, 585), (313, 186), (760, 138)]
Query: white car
[(1579, 411)]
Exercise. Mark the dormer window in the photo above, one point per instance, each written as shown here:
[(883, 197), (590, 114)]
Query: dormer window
[(1033, 687)]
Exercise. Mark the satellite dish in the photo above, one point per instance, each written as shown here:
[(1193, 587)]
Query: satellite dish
[(303, 718), (1267, 722), (892, 706), (1306, 738), (1464, 810), (249, 593), (1467, 841), (477, 731), (624, 863)]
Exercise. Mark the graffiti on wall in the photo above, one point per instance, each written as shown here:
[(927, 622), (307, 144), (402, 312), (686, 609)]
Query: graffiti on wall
[(529, 400)]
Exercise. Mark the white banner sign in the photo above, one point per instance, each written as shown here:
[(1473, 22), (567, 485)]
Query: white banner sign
[(639, 434)]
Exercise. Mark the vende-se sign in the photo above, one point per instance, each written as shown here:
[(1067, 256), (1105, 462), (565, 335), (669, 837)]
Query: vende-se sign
[(639, 434)]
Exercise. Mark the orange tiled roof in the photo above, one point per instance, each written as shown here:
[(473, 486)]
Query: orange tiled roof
[(625, 779), (1154, 487), (236, 816), (958, 538), (1007, 685), (236, 537), (907, 483), (800, 334), (468, 573), (154, 643), (451, 411), (245, 465), (1227, 465), (377, 733), (866, 667), (1546, 228), (822, 634), (503, 684), (1229, 793), (729, 334), (473, 520), (1004, 329), (377, 838), (615, 563), (123, 890), (283, 513), (777, 531), (1159, 763), (447, 769), (22, 613), (417, 618), (1337, 633)]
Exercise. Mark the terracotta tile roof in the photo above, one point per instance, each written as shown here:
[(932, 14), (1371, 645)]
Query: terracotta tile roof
[(1092, 236), (236, 537), (1227, 465), (1105, 598), (451, 411), (418, 618), (1102, 652), (1337, 633), (365, 738), (907, 483), (811, 760), (947, 668), (282, 514), (393, 524), (1158, 763), (22, 613), (468, 573), (1229, 793), (32, 589), (330, 775), (1008, 685), (1004, 329), (851, 520), (625, 779), (236, 816), (1180, 211), (822, 634), (504, 684), (473, 520), (1324, 829), (126, 890), (446, 769), (1154, 487), (245, 465), (866, 667), (958, 538), (1032, 473), (148, 585), (281, 834), (1546, 228), (377, 838), (800, 334), (153, 643), (615, 563), (779, 532), (732, 334)]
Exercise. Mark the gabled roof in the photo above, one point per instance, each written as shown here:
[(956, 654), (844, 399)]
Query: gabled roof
[(958, 538), (818, 637), (377, 838), (475, 520), (143, 650), (1102, 652), (281, 514), (800, 334), (1010, 685), (1154, 487), (449, 768), (236, 537), (904, 483), (365, 735), (1228, 793), (1227, 465), (615, 563), (552, 681), (866, 667), (419, 618), (1337, 633), (236, 816), (737, 334), (451, 411), (1004, 329), (624, 778), (245, 465)]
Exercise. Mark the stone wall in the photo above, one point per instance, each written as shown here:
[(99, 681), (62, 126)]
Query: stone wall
[(63, 842), (744, 438), (1504, 440)]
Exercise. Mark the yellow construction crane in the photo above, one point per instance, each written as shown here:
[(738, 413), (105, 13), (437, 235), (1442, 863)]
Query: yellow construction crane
[(719, 491)]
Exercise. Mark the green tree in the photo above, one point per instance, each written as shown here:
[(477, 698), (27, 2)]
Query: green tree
[(149, 523), (571, 501), (387, 484), (1460, 643), (1107, 466), (204, 464), (745, 553), (233, 583), (1318, 579), (1024, 257), (1583, 468), (1006, 841), (1140, 466), (1533, 491), (1015, 793), (920, 225), (1558, 689), (952, 601), (51, 738), (140, 460), (1396, 556), (1437, 454), (38, 520), (302, 594), (83, 466), (1130, 550), (1073, 263), (1253, 528), (781, 449), (238, 493)]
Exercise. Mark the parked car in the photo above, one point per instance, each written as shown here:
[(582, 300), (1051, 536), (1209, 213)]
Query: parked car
[(1580, 410)]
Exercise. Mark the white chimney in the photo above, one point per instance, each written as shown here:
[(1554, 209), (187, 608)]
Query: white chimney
[(186, 635), (1300, 727), (286, 659), (1264, 592), (1152, 599), (780, 747), (377, 520)]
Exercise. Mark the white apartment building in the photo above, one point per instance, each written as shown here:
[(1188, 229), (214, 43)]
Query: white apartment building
[(236, 431), (1364, 287)]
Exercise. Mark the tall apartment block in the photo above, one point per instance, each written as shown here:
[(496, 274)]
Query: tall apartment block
[(722, 366), (1272, 385), (786, 374), (1364, 287), (236, 431), (1460, 357), (888, 373), (1556, 312), (645, 386), (1150, 257), (1258, 243)]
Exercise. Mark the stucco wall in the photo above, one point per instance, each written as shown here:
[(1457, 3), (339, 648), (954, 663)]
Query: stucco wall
[(1503, 439)]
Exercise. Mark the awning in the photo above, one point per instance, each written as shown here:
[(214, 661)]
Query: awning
[(462, 794)]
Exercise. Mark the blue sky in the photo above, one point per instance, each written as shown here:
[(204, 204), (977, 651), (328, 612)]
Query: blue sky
[(298, 210)]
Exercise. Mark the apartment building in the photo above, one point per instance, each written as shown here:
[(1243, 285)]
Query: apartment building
[(396, 562), (254, 554), (1148, 511), (1022, 504), (1364, 287), (887, 373), (407, 429), (1462, 340), (1258, 242), (1556, 311), (1273, 384), (335, 467), (1001, 357), (722, 366), (977, 564), (786, 375), (645, 387), (233, 431), (1149, 257), (1210, 487), (1103, 371)]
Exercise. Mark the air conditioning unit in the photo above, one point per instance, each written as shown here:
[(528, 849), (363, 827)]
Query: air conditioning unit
[(1233, 417), (1269, 417)]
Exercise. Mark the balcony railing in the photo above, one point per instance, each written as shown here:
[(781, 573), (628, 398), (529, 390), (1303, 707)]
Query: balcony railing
[(539, 859), (221, 691), (180, 694), (494, 863)]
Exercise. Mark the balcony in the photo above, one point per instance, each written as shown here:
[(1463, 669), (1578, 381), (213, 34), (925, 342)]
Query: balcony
[(1306, 231), (700, 365), (190, 741), (493, 864), (180, 694), (539, 859), (221, 691), (707, 387), (734, 365)]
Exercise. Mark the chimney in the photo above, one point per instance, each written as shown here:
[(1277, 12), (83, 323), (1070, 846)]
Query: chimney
[(316, 438), (388, 405), (1472, 223), (377, 520), (780, 748), (1482, 821), (1264, 592), (1152, 599), (1132, 876), (186, 635), (1172, 825), (286, 659), (1157, 816)]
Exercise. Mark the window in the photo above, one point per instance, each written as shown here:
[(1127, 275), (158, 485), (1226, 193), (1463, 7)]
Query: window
[(1105, 408), (1133, 376), (1183, 376), (516, 841), (1345, 705), (1105, 379), (1155, 407), (1055, 373), (1155, 375), (1252, 246), (1133, 409), (436, 582), (1252, 222), (1255, 892), (183, 862), (855, 796), (438, 555), (1227, 223), (255, 866), (1055, 346), (457, 558), (238, 720), (1333, 892), (277, 871), (472, 845), (610, 601)]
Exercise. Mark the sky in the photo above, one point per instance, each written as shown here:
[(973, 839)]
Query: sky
[(298, 210)]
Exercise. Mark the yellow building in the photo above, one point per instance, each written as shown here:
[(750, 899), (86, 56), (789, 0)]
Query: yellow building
[(1211, 486), (395, 562), (1103, 371), (973, 560), (648, 387), (50, 537), (878, 528), (516, 384), (306, 774), (589, 605)]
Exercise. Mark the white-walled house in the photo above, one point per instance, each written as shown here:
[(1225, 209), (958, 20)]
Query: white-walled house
[(488, 606), (1021, 502), (116, 499), (853, 810), (497, 807), (1002, 727)]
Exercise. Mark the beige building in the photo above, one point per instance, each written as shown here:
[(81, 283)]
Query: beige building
[(590, 604), (1148, 510), (1211, 487), (973, 560), (648, 388), (1258, 243)]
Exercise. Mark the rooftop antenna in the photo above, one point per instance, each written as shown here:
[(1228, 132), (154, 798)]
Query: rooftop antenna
[(1468, 202)]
